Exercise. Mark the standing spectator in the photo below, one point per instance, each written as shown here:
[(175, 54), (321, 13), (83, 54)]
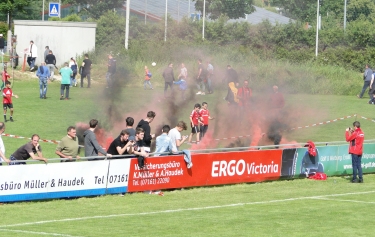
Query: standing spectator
[(51, 63), (244, 95), (129, 127), (31, 149), (232, 82), (277, 99), (92, 147), (66, 73), (168, 76), (163, 142), (210, 76), (68, 147), (111, 70), (86, 71), (7, 101), (2, 147), (147, 79), (74, 67), (367, 76), (177, 141), (205, 115), (201, 78), (32, 54), (145, 125), (355, 137), (139, 147), (43, 75), (121, 145), (183, 72), (46, 52), (2, 43), (195, 121)]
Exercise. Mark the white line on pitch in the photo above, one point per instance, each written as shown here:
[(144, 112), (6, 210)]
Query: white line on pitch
[(343, 200), (181, 210), (37, 233)]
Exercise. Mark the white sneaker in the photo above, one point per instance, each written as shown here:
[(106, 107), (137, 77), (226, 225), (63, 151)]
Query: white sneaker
[(198, 93), (190, 165)]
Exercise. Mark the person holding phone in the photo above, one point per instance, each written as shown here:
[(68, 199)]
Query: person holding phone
[(177, 141)]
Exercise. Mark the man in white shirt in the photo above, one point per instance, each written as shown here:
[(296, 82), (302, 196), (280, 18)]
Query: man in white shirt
[(177, 140), (32, 54)]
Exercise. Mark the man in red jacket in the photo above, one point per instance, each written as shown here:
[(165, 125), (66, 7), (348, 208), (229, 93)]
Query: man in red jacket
[(355, 137)]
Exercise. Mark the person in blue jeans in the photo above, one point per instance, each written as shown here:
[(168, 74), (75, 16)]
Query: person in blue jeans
[(74, 67), (43, 74), (66, 72)]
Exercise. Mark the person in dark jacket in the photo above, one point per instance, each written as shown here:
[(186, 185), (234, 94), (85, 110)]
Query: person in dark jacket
[(145, 125), (168, 79), (51, 63), (92, 147), (111, 70), (2, 43)]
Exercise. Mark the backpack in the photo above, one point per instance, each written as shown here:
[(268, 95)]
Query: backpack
[(149, 74), (311, 149)]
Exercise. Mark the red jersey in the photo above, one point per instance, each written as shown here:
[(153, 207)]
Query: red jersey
[(195, 117), (355, 141), (5, 76), (205, 114), (244, 94), (146, 75), (7, 95)]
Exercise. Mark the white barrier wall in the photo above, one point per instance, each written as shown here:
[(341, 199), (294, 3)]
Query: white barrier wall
[(65, 39), (57, 180)]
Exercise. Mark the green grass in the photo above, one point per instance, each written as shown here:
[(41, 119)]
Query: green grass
[(281, 208), (49, 118)]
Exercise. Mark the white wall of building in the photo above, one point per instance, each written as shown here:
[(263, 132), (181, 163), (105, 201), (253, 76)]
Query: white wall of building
[(65, 39)]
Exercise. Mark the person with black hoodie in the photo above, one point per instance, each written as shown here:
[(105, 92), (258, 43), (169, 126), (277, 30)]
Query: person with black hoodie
[(145, 125), (92, 147)]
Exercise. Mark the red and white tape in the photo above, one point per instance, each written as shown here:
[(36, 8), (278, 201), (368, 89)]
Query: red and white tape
[(225, 138)]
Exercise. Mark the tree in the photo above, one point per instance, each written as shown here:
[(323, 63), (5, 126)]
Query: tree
[(96, 8), (233, 9), (11, 6)]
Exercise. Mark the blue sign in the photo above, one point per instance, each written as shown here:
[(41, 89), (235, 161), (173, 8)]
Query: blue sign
[(54, 9)]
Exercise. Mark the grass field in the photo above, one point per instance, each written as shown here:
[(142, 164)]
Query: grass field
[(282, 208), (333, 207), (50, 118)]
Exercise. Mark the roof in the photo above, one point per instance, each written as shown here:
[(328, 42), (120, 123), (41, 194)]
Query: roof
[(178, 9)]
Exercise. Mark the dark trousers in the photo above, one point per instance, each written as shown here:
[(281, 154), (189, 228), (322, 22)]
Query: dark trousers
[(166, 84), (365, 85), (357, 168), (88, 79), (66, 87), (141, 162), (31, 61), (203, 130), (13, 161)]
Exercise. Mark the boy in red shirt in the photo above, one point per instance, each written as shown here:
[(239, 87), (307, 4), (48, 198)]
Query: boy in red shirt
[(205, 115), (195, 121), (5, 77), (7, 101)]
